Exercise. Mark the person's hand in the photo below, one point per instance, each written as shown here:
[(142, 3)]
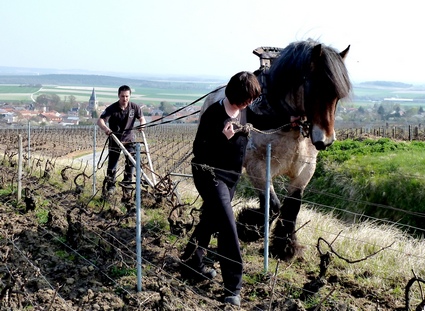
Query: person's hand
[(293, 121), (228, 130), (108, 132)]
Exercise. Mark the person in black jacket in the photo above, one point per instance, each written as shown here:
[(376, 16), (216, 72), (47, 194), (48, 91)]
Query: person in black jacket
[(121, 117), (219, 151)]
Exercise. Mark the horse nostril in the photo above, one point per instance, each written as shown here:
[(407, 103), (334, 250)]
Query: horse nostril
[(320, 145)]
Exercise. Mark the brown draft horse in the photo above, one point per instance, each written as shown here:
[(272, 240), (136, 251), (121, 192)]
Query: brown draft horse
[(306, 79)]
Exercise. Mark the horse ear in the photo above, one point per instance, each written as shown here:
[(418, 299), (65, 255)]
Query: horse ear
[(344, 53), (316, 53)]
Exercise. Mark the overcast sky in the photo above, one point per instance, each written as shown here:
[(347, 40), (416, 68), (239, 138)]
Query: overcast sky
[(210, 38)]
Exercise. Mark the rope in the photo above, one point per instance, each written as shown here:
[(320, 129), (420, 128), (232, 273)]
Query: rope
[(248, 127), (165, 122), (149, 124)]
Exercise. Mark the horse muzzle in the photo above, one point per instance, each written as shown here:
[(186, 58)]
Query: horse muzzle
[(321, 139)]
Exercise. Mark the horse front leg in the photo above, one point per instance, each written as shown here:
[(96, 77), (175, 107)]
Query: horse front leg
[(283, 242)]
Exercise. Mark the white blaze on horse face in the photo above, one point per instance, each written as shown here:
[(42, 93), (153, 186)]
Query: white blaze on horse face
[(322, 128)]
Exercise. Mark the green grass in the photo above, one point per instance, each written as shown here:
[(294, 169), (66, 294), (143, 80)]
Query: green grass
[(5, 191), (42, 215), (379, 178)]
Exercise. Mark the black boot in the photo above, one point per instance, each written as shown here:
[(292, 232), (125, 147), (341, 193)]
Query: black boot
[(108, 188)]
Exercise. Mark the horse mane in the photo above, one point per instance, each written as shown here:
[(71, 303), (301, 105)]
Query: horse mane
[(294, 65)]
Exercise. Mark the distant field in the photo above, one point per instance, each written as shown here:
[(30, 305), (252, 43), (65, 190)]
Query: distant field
[(5, 89), (388, 92), (145, 95), (22, 89)]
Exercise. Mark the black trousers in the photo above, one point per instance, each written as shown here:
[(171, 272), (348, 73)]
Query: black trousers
[(113, 157), (217, 217)]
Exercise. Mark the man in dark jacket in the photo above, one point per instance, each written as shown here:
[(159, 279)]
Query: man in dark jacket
[(120, 117)]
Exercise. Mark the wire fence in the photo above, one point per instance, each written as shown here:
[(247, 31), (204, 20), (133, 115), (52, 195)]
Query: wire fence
[(406, 132), (67, 250)]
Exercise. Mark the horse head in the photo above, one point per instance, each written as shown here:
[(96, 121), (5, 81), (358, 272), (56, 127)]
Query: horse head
[(307, 80)]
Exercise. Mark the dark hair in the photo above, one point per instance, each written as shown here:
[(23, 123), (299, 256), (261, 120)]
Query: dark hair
[(123, 88), (242, 87)]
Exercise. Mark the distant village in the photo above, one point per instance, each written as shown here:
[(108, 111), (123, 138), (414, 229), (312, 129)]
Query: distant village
[(82, 114), (393, 110)]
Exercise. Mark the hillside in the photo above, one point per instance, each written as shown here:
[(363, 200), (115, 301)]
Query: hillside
[(386, 84), (99, 80), (64, 249), (69, 252)]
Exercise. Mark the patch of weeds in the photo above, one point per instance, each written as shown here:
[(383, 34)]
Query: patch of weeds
[(313, 301), (61, 254), (397, 291), (156, 222), (20, 206), (172, 238), (4, 192), (245, 189), (42, 216), (117, 272), (96, 204), (253, 279), (293, 292), (253, 296), (155, 225), (65, 255), (119, 291), (44, 203)]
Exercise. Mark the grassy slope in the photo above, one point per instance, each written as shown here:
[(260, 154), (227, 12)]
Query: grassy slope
[(378, 178)]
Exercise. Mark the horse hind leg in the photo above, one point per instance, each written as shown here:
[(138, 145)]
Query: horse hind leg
[(283, 242), (250, 220)]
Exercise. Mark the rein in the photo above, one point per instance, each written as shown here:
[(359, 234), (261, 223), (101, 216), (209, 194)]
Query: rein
[(154, 123)]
